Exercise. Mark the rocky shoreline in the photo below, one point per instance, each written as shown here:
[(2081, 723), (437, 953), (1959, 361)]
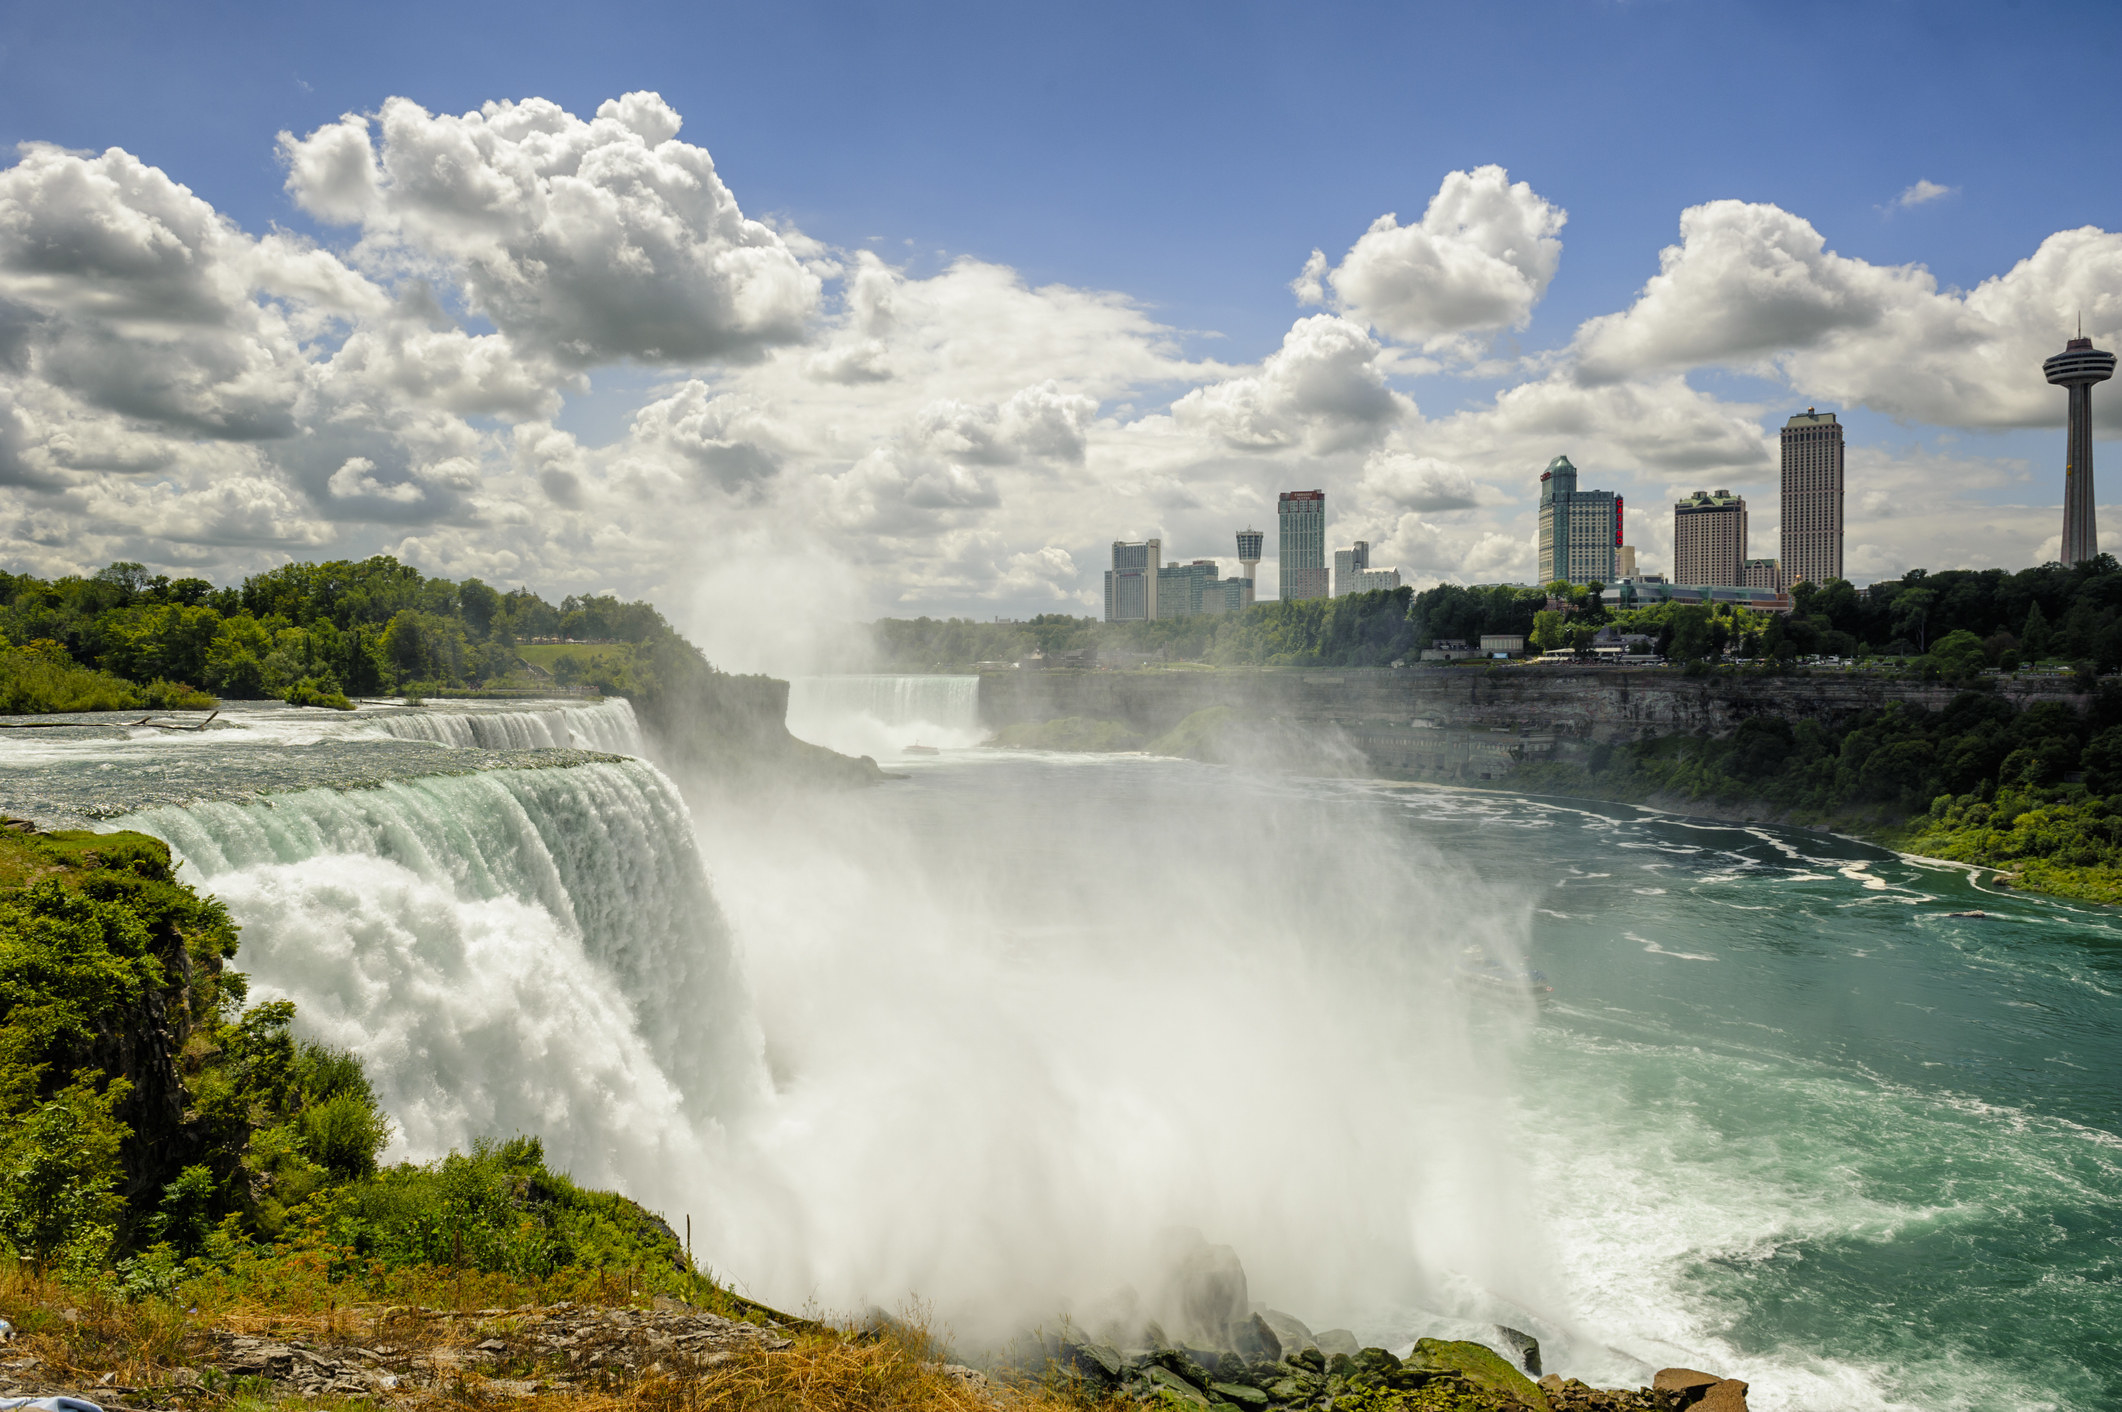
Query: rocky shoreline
[(403, 1357)]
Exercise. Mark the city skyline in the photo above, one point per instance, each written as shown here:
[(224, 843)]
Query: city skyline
[(885, 374)]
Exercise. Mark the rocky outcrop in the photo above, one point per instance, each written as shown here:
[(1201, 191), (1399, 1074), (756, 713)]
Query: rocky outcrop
[(408, 1354), (729, 735), (1589, 704)]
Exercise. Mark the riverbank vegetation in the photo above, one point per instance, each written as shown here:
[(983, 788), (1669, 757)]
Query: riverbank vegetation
[(2035, 793), (193, 1212), (309, 634), (158, 1131)]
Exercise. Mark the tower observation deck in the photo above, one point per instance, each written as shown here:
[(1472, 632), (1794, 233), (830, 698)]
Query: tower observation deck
[(2077, 368)]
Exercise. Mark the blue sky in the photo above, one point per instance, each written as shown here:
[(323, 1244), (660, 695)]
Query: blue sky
[(1186, 157)]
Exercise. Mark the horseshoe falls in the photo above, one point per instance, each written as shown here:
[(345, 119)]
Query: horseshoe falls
[(1657, 1091)]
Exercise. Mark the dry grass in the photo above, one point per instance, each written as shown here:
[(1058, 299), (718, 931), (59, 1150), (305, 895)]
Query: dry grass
[(81, 1336)]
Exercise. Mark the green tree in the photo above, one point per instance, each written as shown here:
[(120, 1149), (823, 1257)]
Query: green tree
[(59, 1174), (1692, 638), (1959, 656), (1547, 629)]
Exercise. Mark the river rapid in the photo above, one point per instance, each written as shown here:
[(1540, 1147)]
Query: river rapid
[(1657, 1091)]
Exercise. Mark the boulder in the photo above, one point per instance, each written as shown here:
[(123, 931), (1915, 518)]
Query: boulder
[(1726, 1396), (1290, 1331), (1338, 1341), (1094, 1360), (1258, 1342), (1176, 1362), (1691, 1384), (1165, 1380), (1248, 1397), (1376, 1360), (1519, 1346), (1204, 1296), (1480, 1365)]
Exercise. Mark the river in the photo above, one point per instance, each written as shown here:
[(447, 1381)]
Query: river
[(1428, 1059)]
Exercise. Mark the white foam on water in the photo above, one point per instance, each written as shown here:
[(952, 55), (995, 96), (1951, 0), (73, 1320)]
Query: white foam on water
[(533, 950)]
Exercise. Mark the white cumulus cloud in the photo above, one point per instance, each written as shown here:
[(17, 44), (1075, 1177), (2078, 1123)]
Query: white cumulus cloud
[(590, 241), (1478, 261)]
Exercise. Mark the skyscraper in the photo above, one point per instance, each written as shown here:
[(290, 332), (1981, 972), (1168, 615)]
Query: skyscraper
[(1302, 555), (1579, 529), (2078, 367), (1812, 498), (1131, 583), (1709, 539)]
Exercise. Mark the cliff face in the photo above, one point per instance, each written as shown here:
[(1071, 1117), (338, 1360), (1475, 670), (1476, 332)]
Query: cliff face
[(1592, 704), (730, 733), (1443, 724)]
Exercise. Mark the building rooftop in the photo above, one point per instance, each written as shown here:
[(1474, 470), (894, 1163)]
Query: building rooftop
[(1810, 418), (1709, 500)]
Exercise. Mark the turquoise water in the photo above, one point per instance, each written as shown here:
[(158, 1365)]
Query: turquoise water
[(1782, 1115), (1789, 1106)]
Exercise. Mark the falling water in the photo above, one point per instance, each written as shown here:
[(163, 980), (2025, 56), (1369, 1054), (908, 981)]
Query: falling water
[(881, 716), (981, 1035)]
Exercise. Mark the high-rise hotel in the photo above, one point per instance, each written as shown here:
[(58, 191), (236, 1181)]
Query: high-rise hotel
[(1302, 517), (1709, 539), (1579, 529), (1812, 499)]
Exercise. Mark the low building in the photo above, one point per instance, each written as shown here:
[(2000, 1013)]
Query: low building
[(1447, 649), (1644, 593), (1612, 645), (1502, 645)]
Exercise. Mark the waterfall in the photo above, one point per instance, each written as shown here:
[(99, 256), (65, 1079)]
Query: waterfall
[(882, 715), (531, 950), (609, 726)]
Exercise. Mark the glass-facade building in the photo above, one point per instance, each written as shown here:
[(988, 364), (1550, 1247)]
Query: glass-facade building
[(1579, 529), (1301, 515)]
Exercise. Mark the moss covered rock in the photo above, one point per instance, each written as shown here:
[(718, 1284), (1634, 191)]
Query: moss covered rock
[(1480, 1365)]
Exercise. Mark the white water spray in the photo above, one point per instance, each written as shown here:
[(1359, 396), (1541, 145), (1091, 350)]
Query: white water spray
[(880, 716), (1014, 1029), (518, 950)]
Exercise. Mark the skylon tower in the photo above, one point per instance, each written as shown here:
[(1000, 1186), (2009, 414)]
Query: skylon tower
[(2078, 367)]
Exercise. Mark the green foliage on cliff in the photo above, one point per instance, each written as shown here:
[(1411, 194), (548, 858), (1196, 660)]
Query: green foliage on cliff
[(155, 1129), (310, 634), (2036, 791)]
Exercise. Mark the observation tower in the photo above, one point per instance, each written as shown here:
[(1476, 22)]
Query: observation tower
[(1249, 542), (2078, 367)]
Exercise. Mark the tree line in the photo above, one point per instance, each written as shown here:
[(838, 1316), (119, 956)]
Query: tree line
[(310, 634)]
